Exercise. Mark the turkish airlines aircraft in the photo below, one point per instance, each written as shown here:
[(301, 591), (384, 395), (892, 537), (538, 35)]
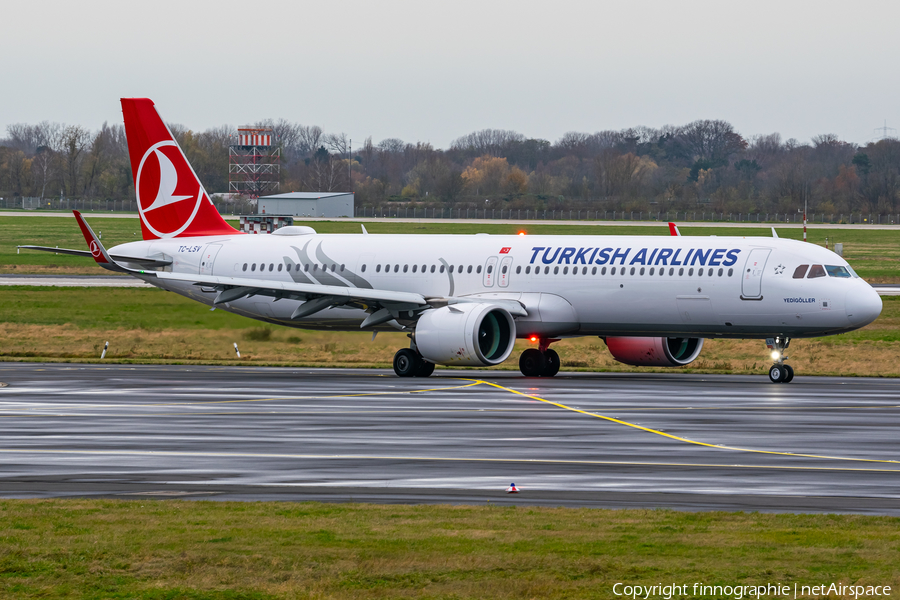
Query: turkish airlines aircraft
[(464, 299)]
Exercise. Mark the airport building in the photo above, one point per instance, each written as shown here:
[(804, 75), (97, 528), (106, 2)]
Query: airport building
[(307, 204)]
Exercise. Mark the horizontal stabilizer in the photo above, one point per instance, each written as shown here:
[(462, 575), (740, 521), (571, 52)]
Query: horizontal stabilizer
[(148, 263)]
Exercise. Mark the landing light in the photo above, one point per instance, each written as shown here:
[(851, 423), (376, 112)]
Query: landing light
[(776, 355), (534, 338), (521, 233)]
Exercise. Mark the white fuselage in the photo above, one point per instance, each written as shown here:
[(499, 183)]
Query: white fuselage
[(661, 286)]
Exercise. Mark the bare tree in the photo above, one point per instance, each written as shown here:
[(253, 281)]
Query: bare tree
[(710, 141), (309, 139)]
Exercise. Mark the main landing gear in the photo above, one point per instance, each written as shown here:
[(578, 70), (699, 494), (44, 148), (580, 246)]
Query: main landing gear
[(540, 361), (408, 363), (780, 372)]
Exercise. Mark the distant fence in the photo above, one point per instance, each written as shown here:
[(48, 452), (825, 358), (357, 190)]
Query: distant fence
[(245, 207), (614, 215)]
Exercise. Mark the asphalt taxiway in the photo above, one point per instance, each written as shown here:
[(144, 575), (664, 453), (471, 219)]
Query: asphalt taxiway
[(692, 442)]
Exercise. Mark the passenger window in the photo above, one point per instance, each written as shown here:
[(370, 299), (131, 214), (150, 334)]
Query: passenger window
[(690, 272), (681, 272), (378, 268), (442, 268), (612, 271), (279, 266), (546, 270), (671, 271), (518, 270), (297, 267), (342, 268), (432, 268), (504, 270), (730, 272), (459, 269), (271, 266), (603, 271), (245, 267), (253, 267), (315, 267), (700, 272), (363, 269), (565, 270), (478, 269), (837, 271), (405, 268), (594, 271), (721, 271), (490, 269), (469, 270), (415, 268), (642, 270), (306, 268), (424, 268), (556, 270), (816, 271), (396, 268), (527, 270)]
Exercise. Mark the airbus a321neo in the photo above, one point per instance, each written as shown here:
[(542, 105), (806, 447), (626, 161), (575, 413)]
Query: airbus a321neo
[(464, 299)]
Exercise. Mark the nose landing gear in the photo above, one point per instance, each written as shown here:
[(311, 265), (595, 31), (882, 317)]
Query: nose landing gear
[(540, 361), (780, 372)]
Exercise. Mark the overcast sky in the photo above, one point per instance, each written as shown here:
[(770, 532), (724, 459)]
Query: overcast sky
[(431, 72)]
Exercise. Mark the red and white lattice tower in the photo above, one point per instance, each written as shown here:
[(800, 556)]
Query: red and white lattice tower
[(254, 162)]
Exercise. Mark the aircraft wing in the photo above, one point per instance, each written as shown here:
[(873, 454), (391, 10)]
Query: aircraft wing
[(144, 262), (232, 288), (383, 305)]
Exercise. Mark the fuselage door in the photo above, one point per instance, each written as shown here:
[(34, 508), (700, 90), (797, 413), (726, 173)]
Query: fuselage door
[(489, 271), (208, 258), (751, 282), (505, 271)]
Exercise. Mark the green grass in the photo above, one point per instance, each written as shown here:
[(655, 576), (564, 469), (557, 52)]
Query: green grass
[(875, 254), (178, 550), (111, 308)]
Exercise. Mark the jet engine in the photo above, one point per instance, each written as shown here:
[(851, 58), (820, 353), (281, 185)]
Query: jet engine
[(466, 334), (655, 351)]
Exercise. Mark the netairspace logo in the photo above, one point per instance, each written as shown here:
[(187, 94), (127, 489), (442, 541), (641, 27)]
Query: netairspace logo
[(739, 592)]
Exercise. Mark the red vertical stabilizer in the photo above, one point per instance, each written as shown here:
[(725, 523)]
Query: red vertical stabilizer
[(170, 198)]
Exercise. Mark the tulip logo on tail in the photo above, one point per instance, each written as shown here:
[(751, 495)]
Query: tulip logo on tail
[(95, 249), (168, 195)]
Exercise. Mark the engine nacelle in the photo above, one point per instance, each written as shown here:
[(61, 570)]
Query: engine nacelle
[(466, 334), (655, 351)]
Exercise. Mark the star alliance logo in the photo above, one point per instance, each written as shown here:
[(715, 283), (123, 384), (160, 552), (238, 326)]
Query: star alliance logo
[(779, 269)]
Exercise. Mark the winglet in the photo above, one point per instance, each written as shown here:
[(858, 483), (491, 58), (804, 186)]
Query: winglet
[(364, 229), (673, 229), (96, 247), (774, 235)]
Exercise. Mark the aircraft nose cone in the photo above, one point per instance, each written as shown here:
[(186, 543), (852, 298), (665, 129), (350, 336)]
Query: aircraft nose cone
[(863, 306)]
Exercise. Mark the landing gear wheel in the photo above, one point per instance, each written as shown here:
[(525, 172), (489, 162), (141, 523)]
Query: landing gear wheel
[(532, 363), (778, 373), (426, 369), (789, 373), (552, 363), (406, 363)]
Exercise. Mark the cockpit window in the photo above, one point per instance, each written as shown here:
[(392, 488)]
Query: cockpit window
[(852, 272), (837, 271), (816, 271), (800, 272)]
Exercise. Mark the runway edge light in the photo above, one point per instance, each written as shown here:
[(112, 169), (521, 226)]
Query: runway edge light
[(512, 489)]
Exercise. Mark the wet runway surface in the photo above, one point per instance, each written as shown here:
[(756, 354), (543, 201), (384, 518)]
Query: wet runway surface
[(693, 442)]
